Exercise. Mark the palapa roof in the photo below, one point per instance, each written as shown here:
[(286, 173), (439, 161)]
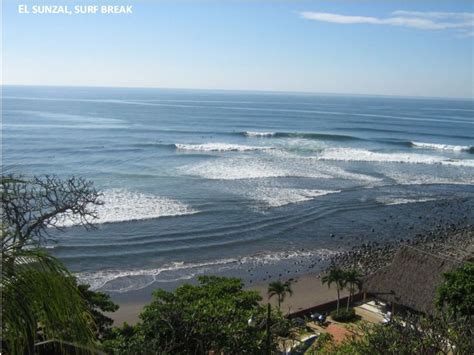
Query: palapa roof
[(411, 279)]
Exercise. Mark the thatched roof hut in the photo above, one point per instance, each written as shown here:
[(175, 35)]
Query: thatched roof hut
[(411, 280)]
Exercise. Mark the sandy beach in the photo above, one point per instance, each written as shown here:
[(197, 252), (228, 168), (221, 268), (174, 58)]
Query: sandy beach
[(307, 292)]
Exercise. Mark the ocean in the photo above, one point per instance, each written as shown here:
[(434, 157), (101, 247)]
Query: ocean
[(249, 184)]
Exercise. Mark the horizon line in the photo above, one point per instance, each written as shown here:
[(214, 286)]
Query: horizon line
[(256, 91)]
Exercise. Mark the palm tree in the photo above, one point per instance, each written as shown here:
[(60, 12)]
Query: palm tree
[(279, 289), (337, 276), (353, 279)]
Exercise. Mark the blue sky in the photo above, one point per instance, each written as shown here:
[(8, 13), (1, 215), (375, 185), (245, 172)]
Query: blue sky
[(408, 48)]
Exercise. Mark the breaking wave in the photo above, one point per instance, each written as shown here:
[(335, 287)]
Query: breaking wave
[(122, 205), (454, 148), (258, 134), (219, 147), (337, 137), (317, 136), (363, 155)]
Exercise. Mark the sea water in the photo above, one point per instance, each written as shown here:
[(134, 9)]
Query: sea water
[(250, 184)]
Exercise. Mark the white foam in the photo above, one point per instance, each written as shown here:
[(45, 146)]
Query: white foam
[(259, 134), (401, 201), (277, 197), (423, 179), (121, 205), (363, 155), (271, 258), (128, 280), (469, 163), (294, 147), (274, 164), (454, 148), (337, 172), (218, 147), (236, 168), (141, 277)]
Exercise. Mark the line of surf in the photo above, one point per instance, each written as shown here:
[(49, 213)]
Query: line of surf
[(305, 135), (448, 147), (352, 154), (219, 147), (110, 280)]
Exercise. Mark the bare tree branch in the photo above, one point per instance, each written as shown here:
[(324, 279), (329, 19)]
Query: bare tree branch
[(32, 208)]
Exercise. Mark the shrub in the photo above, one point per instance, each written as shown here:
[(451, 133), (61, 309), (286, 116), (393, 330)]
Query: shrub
[(456, 293), (324, 340), (343, 315), (194, 319)]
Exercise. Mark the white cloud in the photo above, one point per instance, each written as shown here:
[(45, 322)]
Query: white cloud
[(436, 15), (335, 18), (463, 21)]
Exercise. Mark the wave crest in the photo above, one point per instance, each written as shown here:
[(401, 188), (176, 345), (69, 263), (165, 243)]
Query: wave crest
[(303, 135), (454, 148), (219, 147), (258, 134), (363, 155)]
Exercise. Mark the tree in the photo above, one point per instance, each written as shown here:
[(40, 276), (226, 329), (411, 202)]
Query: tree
[(40, 297), (125, 340), (279, 289), (97, 303), (352, 278), (336, 276), (32, 208), (414, 334), (456, 293), (217, 314)]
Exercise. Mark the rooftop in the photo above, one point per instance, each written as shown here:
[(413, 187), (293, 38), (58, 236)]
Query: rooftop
[(411, 279)]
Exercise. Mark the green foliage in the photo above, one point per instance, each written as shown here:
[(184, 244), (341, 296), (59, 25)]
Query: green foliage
[(39, 295), (97, 303), (125, 340), (412, 335), (279, 289), (335, 276), (456, 293), (353, 282), (323, 341), (194, 319), (344, 315), (343, 279), (40, 298)]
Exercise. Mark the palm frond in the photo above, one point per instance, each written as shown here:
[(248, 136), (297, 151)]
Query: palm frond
[(39, 297)]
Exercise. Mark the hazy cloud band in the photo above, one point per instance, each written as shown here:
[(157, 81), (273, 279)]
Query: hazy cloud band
[(463, 21)]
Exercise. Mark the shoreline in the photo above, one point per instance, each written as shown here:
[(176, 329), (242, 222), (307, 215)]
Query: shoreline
[(307, 289)]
